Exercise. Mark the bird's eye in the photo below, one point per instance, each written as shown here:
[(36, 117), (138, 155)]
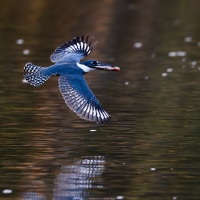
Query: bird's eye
[(94, 62)]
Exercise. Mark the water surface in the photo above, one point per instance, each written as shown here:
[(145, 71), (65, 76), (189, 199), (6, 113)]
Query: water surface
[(151, 148)]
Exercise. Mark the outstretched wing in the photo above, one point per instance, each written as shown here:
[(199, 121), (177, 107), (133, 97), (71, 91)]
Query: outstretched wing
[(81, 100), (74, 50)]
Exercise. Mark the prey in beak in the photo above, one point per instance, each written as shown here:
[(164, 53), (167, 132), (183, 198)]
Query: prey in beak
[(106, 67), (93, 64)]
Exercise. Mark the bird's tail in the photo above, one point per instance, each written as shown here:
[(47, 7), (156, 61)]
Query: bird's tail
[(35, 75)]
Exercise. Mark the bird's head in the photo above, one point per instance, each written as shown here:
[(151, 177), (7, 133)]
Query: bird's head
[(89, 65)]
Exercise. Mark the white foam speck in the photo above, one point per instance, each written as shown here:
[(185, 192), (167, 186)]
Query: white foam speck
[(177, 53), (164, 74), (193, 63), (146, 77), (169, 70), (26, 51), (120, 197), (174, 198), (181, 53), (172, 54), (93, 130), (153, 169), (7, 191), (137, 45), (126, 83), (19, 41), (188, 39)]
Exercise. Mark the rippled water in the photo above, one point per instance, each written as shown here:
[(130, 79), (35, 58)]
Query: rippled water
[(150, 150)]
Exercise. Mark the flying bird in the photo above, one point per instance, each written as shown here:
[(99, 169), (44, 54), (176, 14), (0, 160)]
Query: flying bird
[(72, 85)]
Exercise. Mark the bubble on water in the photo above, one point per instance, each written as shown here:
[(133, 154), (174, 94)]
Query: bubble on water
[(119, 197), (19, 41), (26, 51), (93, 130), (181, 53), (172, 54), (126, 83), (174, 198), (164, 74), (169, 70), (193, 63), (188, 39), (152, 168), (137, 45), (7, 191), (177, 53)]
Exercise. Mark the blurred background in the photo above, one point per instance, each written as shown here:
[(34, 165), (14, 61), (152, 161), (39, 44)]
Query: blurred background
[(150, 149)]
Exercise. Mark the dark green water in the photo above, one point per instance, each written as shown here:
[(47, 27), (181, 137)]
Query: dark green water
[(150, 150)]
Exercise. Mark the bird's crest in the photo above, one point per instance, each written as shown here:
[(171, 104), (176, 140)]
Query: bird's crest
[(74, 50)]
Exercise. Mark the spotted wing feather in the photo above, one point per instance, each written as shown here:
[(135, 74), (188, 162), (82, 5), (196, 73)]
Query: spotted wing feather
[(35, 75), (81, 100), (74, 50)]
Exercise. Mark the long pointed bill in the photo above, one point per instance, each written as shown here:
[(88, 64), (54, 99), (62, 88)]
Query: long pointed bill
[(108, 68)]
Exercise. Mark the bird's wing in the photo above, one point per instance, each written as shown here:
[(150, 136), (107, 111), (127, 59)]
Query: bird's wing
[(73, 50), (81, 100)]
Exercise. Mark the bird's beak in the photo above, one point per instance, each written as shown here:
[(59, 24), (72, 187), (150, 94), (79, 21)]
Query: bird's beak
[(107, 68)]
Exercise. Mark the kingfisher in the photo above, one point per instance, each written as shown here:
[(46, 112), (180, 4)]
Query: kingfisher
[(72, 84)]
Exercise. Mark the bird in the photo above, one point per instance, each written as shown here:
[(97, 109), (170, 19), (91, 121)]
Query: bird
[(71, 70)]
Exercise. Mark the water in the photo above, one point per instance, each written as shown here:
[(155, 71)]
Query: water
[(150, 150)]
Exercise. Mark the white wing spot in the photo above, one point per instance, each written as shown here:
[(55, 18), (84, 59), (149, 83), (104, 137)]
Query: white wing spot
[(102, 115), (94, 112), (98, 114), (74, 47), (85, 108), (81, 44), (85, 46), (91, 110), (78, 45), (70, 48)]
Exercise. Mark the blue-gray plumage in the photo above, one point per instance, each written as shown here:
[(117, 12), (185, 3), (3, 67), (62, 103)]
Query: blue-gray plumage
[(72, 85)]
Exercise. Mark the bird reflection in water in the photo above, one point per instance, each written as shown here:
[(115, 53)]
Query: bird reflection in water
[(74, 181)]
